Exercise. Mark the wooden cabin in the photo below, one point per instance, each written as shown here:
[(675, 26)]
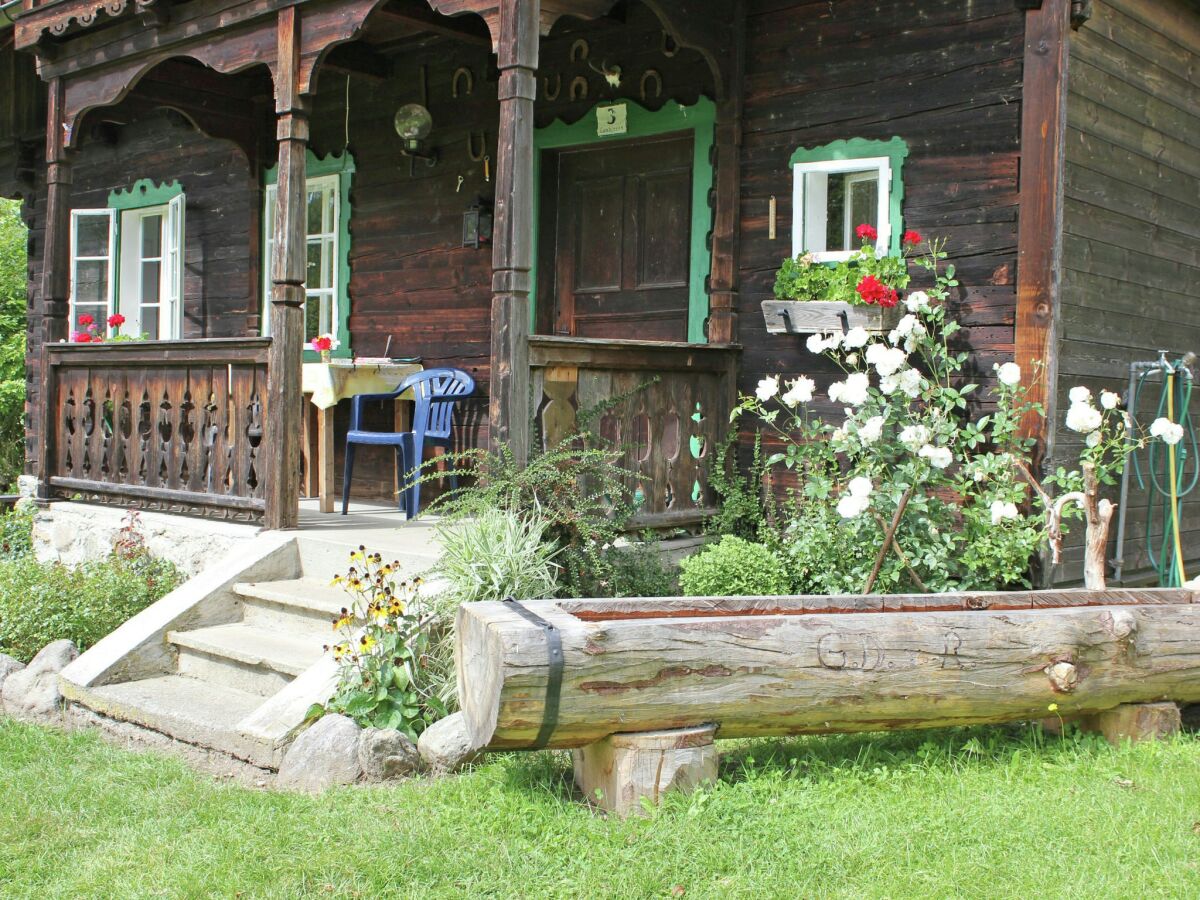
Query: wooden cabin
[(568, 199)]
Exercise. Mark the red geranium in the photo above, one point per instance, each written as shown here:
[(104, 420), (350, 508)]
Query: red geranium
[(86, 320), (867, 232), (322, 344), (116, 320), (872, 290), (911, 238), (81, 337)]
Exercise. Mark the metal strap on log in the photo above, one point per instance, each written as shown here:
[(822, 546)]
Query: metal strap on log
[(554, 671)]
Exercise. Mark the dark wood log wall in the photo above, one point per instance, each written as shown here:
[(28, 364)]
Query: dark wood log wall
[(1131, 243), (944, 76)]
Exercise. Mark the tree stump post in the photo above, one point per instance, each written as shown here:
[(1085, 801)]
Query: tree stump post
[(619, 771), (1135, 722)]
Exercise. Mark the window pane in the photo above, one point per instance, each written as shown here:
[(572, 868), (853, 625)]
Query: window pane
[(328, 261), (150, 321), (91, 236), (315, 208), (835, 222), (151, 281), (330, 211), (152, 237), (91, 282), (864, 201), (312, 278), (99, 314), (312, 318)]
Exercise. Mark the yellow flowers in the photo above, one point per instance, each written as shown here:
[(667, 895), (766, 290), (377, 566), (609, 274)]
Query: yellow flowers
[(337, 579), (366, 643), (1053, 707)]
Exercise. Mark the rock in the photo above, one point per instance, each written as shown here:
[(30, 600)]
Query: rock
[(384, 754), (8, 665), (445, 746), (31, 694), (323, 756)]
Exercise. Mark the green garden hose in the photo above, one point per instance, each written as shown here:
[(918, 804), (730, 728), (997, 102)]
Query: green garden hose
[(1171, 469)]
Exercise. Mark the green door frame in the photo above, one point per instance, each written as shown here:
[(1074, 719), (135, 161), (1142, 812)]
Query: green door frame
[(700, 119)]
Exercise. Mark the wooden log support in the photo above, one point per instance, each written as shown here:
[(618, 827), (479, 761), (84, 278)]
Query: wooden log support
[(621, 771), (512, 253), (1135, 722), (288, 263), (56, 271), (813, 665)]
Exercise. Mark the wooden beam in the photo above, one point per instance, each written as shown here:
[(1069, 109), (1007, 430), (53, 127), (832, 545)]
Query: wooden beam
[(419, 17), (512, 252), (1039, 233), (56, 264), (287, 281)]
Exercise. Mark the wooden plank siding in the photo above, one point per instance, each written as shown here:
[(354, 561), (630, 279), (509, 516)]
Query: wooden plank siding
[(1131, 231), (945, 77)]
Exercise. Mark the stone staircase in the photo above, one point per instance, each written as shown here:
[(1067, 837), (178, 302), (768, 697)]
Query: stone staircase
[(234, 658)]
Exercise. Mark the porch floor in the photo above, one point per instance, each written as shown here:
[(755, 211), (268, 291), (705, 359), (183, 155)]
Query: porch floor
[(377, 526)]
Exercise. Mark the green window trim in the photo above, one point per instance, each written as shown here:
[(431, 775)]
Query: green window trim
[(896, 151), (144, 193), (699, 118), (341, 165)]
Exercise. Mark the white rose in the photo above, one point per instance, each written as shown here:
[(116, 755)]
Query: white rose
[(871, 430), (886, 360), (913, 436), (851, 507), (939, 457), (860, 486), (819, 343), (917, 301), (1083, 417), (1110, 400), (1002, 510), (852, 359), (856, 337), (1009, 374), (800, 391), (911, 382), (1093, 439), (1080, 394), (855, 388), (767, 388), (888, 384), (1168, 432)]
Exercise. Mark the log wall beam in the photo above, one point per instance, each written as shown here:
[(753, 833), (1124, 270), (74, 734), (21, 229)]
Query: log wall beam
[(512, 254)]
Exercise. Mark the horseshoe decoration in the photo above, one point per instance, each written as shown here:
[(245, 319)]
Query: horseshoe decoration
[(547, 94), (579, 88), (579, 50), (648, 76), (462, 74)]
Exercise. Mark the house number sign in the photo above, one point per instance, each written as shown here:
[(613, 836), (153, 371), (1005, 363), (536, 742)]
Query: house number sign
[(611, 119)]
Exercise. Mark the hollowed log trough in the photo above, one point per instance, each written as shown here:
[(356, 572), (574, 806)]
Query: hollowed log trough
[(813, 665)]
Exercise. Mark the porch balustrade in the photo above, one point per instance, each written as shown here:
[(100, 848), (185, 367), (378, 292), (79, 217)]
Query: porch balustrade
[(664, 405), (176, 426)]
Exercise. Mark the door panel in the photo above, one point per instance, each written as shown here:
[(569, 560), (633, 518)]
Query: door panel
[(621, 244)]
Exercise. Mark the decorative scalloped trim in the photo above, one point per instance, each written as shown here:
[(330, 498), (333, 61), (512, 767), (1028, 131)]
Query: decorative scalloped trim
[(87, 14), (144, 192)]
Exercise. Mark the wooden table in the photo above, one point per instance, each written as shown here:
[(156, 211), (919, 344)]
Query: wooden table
[(325, 383)]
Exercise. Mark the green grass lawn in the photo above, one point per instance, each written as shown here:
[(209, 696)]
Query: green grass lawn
[(964, 813)]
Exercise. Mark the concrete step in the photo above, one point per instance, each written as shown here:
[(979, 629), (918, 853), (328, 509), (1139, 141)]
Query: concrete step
[(306, 605), (413, 546), (188, 710), (246, 657)]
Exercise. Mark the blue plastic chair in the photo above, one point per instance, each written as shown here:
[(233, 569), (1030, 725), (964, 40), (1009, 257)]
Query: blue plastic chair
[(435, 391)]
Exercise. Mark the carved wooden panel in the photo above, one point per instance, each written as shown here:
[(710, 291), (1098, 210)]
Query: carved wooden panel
[(172, 425)]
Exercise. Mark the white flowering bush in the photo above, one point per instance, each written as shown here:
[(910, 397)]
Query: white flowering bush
[(907, 492)]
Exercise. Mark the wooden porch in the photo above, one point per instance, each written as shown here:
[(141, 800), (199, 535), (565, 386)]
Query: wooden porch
[(213, 426)]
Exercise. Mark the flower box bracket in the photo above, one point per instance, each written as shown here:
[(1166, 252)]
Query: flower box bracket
[(821, 317)]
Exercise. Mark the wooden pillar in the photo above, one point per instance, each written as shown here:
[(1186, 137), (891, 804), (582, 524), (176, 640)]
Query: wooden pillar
[(287, 282), (1039, 230), (56, 274), (512, 254)]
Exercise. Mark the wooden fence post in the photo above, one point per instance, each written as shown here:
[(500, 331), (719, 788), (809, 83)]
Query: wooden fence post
[(512, 254), (287, 282)]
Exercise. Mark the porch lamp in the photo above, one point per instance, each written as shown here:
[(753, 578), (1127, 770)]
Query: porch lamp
[(477, 224), (413, 123)]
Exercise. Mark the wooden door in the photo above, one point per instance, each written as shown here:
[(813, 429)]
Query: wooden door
[(618, 254)]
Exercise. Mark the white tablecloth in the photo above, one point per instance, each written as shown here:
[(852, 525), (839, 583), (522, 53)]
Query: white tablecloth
[(339, 379)]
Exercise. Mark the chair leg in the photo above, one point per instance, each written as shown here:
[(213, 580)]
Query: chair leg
[(401, 480), (346, 476), (413, 476)]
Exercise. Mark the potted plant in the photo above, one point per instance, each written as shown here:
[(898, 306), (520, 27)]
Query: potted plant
[(862, 291)]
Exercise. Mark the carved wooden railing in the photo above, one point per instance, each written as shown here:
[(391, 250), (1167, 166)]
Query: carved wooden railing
[(672, 413), (176, 426)]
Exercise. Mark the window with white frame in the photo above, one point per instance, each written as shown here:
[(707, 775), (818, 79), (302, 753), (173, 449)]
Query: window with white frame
[(128, 261), (841, 186), (322, 286)]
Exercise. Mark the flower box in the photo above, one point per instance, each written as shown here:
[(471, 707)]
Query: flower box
[(817, 317)]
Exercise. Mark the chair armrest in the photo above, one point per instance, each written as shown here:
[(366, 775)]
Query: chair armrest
[(358, 400)]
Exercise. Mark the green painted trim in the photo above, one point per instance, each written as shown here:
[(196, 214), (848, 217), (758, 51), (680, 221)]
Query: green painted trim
[(699, 118), (144, 193), (895, 149), (314, 167)]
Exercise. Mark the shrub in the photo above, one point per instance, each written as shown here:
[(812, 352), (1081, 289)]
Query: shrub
[(498, 554), (638, 570), (734, 567), (44, 602), (16, 532)]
